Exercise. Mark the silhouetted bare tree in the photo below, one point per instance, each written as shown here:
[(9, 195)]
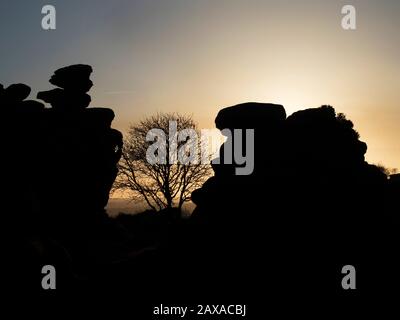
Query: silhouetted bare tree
[(160, 185)]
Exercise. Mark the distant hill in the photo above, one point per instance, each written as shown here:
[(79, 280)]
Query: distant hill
[(117, 205)]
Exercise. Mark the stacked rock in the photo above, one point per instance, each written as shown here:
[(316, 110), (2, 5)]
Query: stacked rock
[(309, 178), (14, 97), (15, 93), (313, 148), (60, 164), (73, 84), (79, 136), (67, 155), (267, 120), (20, 127)]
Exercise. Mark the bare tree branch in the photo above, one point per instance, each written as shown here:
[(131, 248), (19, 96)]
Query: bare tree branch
[(159, 185)]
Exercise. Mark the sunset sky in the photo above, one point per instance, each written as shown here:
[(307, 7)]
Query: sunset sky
[(197, 56)]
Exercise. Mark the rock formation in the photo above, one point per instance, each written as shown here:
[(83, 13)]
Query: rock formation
[(312, 200), (65, 159), (311, 205), (74, 83)]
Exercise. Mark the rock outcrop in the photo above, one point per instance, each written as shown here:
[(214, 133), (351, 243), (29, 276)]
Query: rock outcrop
[(60, 166), (312, 200), (74, 83)]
